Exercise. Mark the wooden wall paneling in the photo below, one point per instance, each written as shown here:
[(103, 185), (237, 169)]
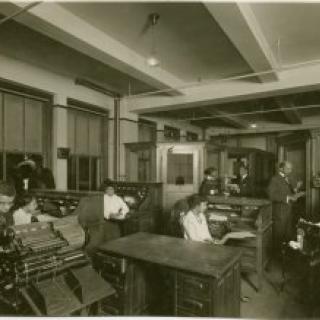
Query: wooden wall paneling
[(13, 121), (33, 126)]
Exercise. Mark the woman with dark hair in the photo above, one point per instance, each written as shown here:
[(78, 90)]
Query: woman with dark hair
[(27, 211), (210, 183)]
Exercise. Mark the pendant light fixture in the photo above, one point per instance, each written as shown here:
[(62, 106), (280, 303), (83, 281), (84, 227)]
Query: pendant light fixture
[(153, 60)]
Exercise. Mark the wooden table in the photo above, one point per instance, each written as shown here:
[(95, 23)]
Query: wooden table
[(205, 278)]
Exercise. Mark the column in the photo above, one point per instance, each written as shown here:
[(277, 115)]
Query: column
[(60, 140)]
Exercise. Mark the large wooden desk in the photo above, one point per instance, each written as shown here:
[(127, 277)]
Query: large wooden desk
[(254, 215), (204, 279)]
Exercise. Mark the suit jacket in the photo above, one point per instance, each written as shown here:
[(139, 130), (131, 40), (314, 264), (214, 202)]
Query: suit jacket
[(90, 213), (208, 185), (278, 190), (246, 186)]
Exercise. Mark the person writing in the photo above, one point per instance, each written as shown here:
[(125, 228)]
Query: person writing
[(211, 182), (282, 193)]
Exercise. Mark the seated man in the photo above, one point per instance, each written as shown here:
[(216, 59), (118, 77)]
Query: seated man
[(97, 215)]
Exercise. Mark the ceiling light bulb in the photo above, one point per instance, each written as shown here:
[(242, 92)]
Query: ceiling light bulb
[(253, 125), (153, 61)]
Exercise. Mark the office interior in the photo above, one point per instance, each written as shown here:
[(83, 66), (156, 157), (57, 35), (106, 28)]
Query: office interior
[(143, 97)]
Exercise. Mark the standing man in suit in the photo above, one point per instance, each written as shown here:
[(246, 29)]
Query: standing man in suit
[(245, 183), (282, 193), (98, 216)]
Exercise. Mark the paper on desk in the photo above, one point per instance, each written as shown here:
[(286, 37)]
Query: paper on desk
[(240, 235), (217, 217), (222, 207)]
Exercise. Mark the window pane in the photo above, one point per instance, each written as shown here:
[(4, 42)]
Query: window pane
[(94, 171), (33, 125), (94, 135), (144, 158), (180, 168), (12, 159), (84, 183), (13, 115), (82, 133), (72, 173)]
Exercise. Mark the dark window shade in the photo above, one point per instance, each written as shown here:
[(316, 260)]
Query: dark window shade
[(14, 123), (95, 129), (33, 125), (84, 133), (85, 143)]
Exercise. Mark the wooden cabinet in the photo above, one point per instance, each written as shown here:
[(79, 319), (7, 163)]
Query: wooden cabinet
[(180, 165), (142, 280)]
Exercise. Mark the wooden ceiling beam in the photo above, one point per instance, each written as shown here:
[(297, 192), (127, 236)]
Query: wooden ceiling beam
[(287, 107)]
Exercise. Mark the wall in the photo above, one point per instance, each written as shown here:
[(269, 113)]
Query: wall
[(265, 142), (61, 88)]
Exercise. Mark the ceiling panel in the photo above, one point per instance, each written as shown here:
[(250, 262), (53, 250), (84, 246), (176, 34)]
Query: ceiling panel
[(190, 43)]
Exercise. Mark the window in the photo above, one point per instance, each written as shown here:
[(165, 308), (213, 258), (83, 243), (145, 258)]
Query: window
[(85, 140), (191, 136), (180, 168), (22, 131), (171, 133), (147, 130)]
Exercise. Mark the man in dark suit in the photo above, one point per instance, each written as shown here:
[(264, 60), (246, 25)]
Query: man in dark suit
[(282, 193), (245, 183), (98, 226)]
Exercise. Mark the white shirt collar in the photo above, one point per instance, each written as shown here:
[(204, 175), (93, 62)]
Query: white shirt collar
[(282, 174)]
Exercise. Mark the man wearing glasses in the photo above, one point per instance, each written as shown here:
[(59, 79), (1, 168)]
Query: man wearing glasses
[(7, 195)]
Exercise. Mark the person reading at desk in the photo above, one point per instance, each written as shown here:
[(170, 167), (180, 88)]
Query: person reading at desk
[(195, 224)]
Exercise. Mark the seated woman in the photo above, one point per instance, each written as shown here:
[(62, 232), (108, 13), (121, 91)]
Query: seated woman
[(195, 224), (28, 210)]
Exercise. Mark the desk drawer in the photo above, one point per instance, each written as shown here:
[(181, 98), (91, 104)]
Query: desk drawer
[(114, 304), (117, 281), (111, 264), (193, 306), (193, 286)]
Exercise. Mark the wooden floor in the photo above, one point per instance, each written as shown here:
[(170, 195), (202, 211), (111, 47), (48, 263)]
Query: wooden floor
[(271, 303)]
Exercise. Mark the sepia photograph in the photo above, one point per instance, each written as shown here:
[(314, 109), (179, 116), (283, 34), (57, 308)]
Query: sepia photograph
[(160, 159)]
